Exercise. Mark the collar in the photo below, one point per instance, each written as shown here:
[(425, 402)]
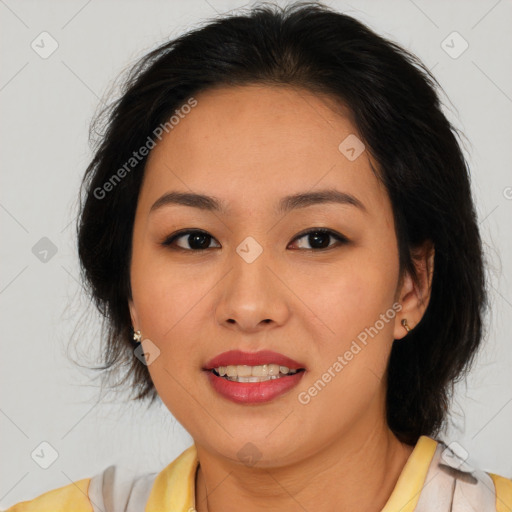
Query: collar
[(174, 486), (409, 485)]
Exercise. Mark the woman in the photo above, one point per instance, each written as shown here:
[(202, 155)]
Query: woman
[(278, 227)]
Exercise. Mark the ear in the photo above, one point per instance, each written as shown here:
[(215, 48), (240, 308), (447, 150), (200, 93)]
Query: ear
[(133, 315), (413, 297)]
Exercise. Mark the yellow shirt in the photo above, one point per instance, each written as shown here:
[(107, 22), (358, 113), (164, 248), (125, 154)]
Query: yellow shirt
[(173, 489)]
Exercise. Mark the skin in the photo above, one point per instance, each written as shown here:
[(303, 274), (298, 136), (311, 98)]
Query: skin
[(250, 146)]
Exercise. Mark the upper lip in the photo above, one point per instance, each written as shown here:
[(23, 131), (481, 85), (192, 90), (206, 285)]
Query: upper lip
[(236, 357)]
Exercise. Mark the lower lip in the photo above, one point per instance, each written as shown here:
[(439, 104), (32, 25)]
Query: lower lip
[(253, 392)]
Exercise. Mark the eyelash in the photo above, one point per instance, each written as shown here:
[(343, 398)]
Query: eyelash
[(337, 236)]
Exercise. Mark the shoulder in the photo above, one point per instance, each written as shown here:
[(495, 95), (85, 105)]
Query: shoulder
[(112, 489), (73, 496), (503, 487), (452, 483), (119, 489)]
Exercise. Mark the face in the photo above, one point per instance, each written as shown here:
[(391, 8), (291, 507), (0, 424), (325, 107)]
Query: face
[(253, 279)]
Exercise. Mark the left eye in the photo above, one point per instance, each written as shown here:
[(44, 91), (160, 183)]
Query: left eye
[(318, 239)]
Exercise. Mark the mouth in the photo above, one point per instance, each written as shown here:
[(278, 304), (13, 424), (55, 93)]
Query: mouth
[(253, 377), (253, 390)]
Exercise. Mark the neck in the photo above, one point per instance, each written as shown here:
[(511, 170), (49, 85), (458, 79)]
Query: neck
[(355, 472)]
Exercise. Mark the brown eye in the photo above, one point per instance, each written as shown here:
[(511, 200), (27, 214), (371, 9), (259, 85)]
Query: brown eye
[(319, 239), (195, 239)]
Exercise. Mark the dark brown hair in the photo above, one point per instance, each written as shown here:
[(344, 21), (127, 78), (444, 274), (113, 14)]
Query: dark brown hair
[(398, 113)]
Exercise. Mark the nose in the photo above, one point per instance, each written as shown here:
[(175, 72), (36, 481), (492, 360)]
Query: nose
[(252, 296)]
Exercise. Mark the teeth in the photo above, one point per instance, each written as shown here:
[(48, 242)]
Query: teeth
[(253, 379), (245, 373)]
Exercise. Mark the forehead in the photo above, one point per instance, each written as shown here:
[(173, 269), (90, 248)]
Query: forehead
[(260, 142)]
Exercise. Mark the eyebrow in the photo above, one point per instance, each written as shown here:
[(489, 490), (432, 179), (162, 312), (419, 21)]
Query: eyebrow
[(285, 205)]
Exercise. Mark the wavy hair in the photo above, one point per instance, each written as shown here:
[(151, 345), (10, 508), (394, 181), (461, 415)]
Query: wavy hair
[(398, 113)]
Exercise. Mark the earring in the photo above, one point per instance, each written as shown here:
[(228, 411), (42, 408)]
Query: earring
[(406, 326), (137, 336)]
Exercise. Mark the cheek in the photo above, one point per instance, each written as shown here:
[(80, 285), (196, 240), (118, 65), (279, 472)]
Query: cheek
[(166, 302), (163, 293), (352, 358), (355, 293)]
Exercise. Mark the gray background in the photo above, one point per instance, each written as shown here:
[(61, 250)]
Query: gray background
[(46, 107)]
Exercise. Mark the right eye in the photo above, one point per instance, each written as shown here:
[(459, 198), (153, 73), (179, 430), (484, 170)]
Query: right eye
[(197, 240)]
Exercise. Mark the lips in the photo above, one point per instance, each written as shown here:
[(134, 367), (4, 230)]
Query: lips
[(236, 357)]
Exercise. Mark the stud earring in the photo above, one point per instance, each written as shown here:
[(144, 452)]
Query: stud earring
[(137, 336), (406, 326)]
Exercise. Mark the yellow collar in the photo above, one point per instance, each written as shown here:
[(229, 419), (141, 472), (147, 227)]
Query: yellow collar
[(174, 486), (408, 487)]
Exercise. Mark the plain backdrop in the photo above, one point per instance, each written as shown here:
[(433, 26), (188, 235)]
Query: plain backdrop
[(46, 107)]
